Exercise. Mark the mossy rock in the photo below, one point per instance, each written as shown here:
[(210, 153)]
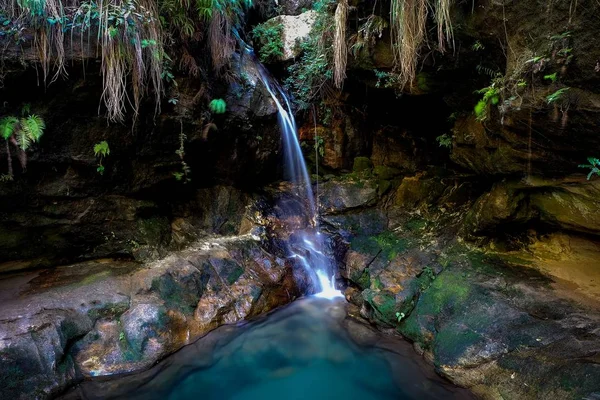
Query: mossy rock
[(362, 164), (385, 172), (383, 304)]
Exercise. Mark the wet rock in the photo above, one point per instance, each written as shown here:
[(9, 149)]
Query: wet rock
[(337, 196), (103, 318)]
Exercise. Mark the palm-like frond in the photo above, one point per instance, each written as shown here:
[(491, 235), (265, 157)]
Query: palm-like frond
[(7, 126), (32, 128)]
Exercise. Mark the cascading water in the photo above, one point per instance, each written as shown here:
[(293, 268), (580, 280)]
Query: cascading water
[(307, 245)]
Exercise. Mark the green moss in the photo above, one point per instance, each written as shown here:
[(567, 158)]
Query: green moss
[(449, 290), (383, 186), (452, 342), (383, 304), (363, 280), (362, 164), (386, 243), (415, 224), (387, 173)]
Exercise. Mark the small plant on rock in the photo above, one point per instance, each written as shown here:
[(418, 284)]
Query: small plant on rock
[(593, 165), (101, 150), (269, 35)]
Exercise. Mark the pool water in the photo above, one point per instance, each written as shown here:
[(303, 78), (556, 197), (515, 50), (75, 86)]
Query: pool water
[(310, 349)]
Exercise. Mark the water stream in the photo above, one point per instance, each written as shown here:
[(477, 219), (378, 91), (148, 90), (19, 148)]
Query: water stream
[(308, 245)]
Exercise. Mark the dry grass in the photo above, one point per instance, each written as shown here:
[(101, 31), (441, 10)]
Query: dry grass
[(340, 48), (408, 19), (221, 43), (131, 52)]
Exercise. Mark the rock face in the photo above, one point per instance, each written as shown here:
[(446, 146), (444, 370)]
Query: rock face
[(295, 28), (106, 317)]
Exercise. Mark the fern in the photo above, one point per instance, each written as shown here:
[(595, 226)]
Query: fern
[(594, 166), (7, 126), (556, 96), (34, 126)]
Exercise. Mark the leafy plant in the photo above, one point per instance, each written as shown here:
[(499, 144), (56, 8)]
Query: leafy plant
[(593, 165), (477, 46), (269, 37), (556, 96), (217, 106), (320, 145), (21, 133), (400, 316), (101, 150), (444, 140), (551, 77), (184, 174), (491, 95)]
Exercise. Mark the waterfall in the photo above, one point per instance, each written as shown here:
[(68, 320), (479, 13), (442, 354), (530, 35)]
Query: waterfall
[(307, 245)]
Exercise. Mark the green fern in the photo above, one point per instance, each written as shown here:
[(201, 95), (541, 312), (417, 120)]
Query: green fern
[(32, 129), (594, 166), (556, 96), (7, 126)]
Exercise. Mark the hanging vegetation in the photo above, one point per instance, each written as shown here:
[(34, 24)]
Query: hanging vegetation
[(340, 49), (131, 36)]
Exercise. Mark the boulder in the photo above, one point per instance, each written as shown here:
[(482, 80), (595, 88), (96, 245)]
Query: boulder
[(110, 317)]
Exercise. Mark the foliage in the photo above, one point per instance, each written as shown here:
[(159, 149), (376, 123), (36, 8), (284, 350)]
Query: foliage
[(101, 150), (184, 174), (21, 133), (269, 37), (367, 34), (556, 96), (477, 46), (408, 21), (320, 145), (310, 77), (217, 106), (551, 77), (131, 37), (340, 49), (444, 140), (593, 165), (491, 95)]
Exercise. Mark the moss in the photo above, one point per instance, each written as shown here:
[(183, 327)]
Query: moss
[(178, 295), (383, 186), (452, 342), (383, 304), (447, 291), (387, 173), (386, 243), (362, 164), (108, 310), (88, 280), (363, 280), (415, 224)]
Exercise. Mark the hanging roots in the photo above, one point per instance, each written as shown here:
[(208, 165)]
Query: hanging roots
[(340, 49), (408, 20), (128, 33)]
